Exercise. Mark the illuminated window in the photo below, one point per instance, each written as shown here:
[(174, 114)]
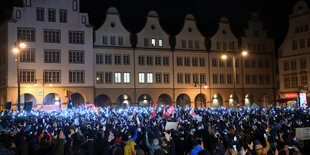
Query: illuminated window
[(118, 77), (153, 42), (150, 78), (160, 43), (126, 77), (141, 77)]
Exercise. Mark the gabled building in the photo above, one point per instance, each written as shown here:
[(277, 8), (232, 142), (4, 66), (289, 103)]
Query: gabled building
[(294, 58), (58, 55)]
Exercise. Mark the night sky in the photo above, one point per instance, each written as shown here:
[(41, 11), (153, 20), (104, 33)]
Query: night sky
[(172, 12)]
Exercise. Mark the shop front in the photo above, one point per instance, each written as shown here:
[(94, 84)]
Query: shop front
[(294, 99)]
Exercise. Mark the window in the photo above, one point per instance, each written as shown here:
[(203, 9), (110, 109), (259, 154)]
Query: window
[(76, 37), (229, 79), (247, 79), (52, 15), (237, 63), (18, 14), (287, 82), (303, 63), (260, 63), (304, 80), (267, 79), (166, 78), (157, 60), (183, 43), (202, 62), (77, 57), (187, 78), (118, 77), (108, 59), (153, 42), (166, 60), (254, 79), (158, 77), (126, 77), (105, 40), (261, 79), (294, 44), (120, 40), (113, 40), (83, 19), (126, 59), (267, 64), (195, 62), (99, 77), (146, 42), (74, 5), (253, 63), (51, 76), (27, 76), (195, 78), (214, 62), (229, 62), (190, 44), (40, 14), (221, 63), (293, 64), (231, 45), (26, 34), (108, 77), (76, 76), (247, 63), (302, 43), (197, 44), (141, 77), (179, 61), (149, 60), (117, 59), (294, 81), (214, 77), (52, 56), (202, 78), (218, 45), (160, 43), (180, 78), (237, 79), (27, 55), (99, 58), (286, 65), (186, 61), (222, 78), (224, 46), (141, 60), (63, 16), (52, 36), (28, 3)]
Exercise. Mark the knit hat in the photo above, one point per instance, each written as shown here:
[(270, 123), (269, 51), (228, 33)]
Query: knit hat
[(118, 140), (155, 141), (258, 145)]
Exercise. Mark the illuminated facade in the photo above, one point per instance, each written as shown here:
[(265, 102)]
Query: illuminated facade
[(58, 54), (294, 56)]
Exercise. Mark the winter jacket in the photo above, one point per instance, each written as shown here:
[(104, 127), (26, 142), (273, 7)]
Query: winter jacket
[(195, 150), (130, 145)]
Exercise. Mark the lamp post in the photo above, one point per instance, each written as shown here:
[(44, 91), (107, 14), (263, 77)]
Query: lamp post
[(200, 85), (19, 44), (244, 53), (42, 82)]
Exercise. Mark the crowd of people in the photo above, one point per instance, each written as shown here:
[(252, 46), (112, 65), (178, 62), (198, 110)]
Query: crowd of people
[(137, 131)]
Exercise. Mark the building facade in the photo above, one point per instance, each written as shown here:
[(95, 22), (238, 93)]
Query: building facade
[(294, 56), (58, 55)]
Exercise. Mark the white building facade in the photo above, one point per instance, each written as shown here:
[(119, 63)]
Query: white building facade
[(58, 55)]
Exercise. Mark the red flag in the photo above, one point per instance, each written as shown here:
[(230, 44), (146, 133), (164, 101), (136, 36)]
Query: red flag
[(154, 108), (164, 112), (170, 110)]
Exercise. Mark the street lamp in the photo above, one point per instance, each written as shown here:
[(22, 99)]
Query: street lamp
[(200, 86), (42, 82), (224, 56), (19, 44)]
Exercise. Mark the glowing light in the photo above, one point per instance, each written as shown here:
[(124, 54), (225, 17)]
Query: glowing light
[(50, 85), (22, 45), (206, 86), (244, 53), (224, 56), (15, 50), (36, 84)]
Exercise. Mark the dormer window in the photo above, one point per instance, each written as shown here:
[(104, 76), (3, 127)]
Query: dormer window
[(18, 14), (28, 3), (84, 20), (153, 42), (160, 43)]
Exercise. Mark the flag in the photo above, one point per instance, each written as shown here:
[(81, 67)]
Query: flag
[(170, 110), (192, 113), (154, 108), (164, 112)]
